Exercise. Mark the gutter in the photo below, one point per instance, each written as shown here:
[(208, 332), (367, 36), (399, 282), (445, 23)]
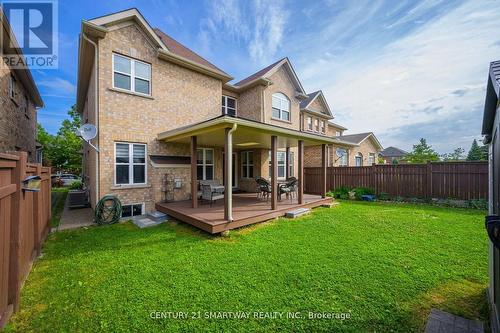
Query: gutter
[(96, 110)]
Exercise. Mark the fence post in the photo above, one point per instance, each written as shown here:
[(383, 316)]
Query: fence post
[(37, 216), (428, 178), (17, 216)]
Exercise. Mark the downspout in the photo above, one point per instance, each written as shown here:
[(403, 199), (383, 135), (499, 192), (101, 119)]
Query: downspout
[(229, 172), (96, 107)]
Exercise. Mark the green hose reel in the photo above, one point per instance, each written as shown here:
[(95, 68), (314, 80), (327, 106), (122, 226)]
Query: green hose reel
[(108, 210)]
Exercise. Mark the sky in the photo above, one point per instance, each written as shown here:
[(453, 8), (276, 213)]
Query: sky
[(402, 69)]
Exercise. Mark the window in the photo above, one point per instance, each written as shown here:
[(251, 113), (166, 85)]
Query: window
[(337, 133), (12, 87), (130, 163), (316, 125), (371, 158), (309, 123), (229, 106), (130, 74), (281, 107), (343, 160), (281, 164), (132, 210), (292, 163), (322, 126), (205, 164), (247, 164), (358, 159)]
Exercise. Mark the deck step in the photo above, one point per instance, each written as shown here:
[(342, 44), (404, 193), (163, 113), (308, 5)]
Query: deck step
[(157, 216), (145, 222), (297, 212), (330, 204)]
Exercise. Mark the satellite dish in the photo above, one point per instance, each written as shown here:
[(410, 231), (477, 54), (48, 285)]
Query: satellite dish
[(340, 152), (88, 132)]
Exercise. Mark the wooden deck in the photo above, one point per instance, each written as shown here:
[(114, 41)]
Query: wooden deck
[(247, 209)]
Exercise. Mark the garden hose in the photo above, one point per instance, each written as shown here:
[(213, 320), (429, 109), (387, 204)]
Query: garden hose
[(108, 210)]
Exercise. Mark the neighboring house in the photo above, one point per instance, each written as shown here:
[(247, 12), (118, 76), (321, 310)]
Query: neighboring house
[(491, 132), (19, 100), (166, 118), (392, 155), (366, 151)]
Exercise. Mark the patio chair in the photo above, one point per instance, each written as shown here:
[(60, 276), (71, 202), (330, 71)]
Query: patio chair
[(208, 194), (264, 188), (288, 188)]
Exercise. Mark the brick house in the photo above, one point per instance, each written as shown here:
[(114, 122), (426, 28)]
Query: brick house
[(392, 155), (166, 118), (19, 100)]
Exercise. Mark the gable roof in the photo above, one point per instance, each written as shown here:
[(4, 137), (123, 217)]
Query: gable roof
[(181, 50), (491, 102), (360, 137), (266, 72), (168, 48), (311, 97), (393, 152), (331, 123)]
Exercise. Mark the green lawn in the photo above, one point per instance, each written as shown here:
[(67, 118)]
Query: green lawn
[(58, 198), (384, 264)]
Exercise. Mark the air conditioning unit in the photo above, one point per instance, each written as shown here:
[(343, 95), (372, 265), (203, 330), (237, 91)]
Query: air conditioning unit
[(78, 198)]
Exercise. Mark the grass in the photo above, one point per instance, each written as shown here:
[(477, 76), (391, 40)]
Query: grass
[(58, 198), (385, 265)]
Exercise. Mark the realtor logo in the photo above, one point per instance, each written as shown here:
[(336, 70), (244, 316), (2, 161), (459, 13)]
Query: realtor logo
[(32, 39)]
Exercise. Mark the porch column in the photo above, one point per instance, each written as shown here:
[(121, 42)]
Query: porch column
[(194, 173), (228, 178), (274, 172), (300, 173), (287, 163), (323, 170)]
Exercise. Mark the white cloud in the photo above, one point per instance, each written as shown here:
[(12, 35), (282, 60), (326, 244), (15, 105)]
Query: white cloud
[(258, 24), (59, 86), (438, 71)]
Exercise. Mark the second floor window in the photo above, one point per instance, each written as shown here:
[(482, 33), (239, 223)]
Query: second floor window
[(132, 75), (322, 126), (130, 163), (316, 125), (12, 87), (309, 123), (229, 106), (281, 107), (205, 163)]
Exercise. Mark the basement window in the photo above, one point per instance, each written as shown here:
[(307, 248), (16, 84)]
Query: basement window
[(132, 210)]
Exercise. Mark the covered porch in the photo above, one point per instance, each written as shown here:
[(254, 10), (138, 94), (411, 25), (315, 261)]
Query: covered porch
[(235, 136)]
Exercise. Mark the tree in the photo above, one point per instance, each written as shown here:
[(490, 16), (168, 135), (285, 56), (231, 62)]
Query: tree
[(422, 153), (456, 155), (63, 150), (477, 153)]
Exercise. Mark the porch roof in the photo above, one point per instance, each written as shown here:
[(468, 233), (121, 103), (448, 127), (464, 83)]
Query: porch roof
[(248, 134)]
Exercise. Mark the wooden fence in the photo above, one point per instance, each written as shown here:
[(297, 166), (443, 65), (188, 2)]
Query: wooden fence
[(24, 224), (442, 180)]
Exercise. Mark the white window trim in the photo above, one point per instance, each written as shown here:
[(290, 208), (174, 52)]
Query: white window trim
[(370, 155), (282, 97), (143, 208), (283, 165), (309, 123), (204, 162), (358, 155), (316, 125), (322, 126), (245, 164), (344, 160), (225, 107), (131, 75), (131, 163)]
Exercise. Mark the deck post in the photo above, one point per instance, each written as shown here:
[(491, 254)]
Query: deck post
[(323, 170), (300, 173), (228, 175), (274, 172), (287, 163), (194, 173)]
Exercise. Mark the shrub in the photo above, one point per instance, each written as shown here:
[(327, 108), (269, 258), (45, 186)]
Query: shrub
[(341, 192), (76, 185), (384, 196), (360, 191), (479, 204)]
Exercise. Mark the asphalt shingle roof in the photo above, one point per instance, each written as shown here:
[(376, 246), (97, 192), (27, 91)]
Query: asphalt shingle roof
[(309, 98), (393, 152), (355, 138), (258, 74)]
